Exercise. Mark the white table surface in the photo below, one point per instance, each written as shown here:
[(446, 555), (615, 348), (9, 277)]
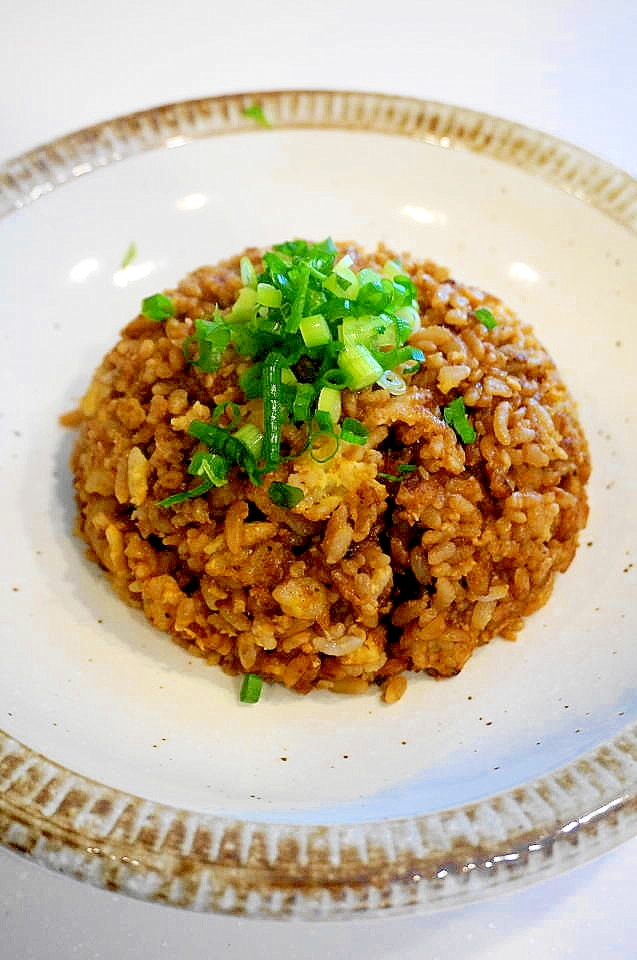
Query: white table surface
[(568, 67)]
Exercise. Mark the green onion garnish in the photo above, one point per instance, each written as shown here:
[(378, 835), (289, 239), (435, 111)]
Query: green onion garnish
[(248, 273), (212, 466), (403, 469), (272, 408), (158, 307), (359, 366), (392, 382), (456, 416), (484, 315), (315, 331), (329, 401), (209, 341), (251, 687), (255, 112), (302, 406), (311, 327), (129, 256), (268, 295), (284, 494), (251, 437), (334, 378), (222, 441), (327, 451), (175, 498), (353, 431)]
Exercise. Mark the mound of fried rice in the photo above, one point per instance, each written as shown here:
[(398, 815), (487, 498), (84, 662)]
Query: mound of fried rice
[(366, 578)]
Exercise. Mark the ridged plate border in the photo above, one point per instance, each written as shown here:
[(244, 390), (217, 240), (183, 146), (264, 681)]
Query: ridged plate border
[(155, 852)]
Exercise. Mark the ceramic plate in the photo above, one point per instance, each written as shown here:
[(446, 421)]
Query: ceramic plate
[(128, 763)]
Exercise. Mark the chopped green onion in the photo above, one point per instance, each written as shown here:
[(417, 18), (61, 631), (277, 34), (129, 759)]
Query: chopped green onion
[(456, 416), (251, 687), (369, 331), (329, 401), (300, 296), (223, 442), (417, 355), (248, 273), (302, 406), (405, 292), (315, 331), (268, 295), (129, 256), (284, 494), (343, 285), (324, 422), (272, 409), (376, 294), (210, 339), (158, 307), (287, 377), (251, 437), (255, 112), (332, 448), (342, 270), (250, 381), (175, 498), (361, 368), (403, 468), (392, 269), (484, 315), (244, 307), (392, 382), (212, 466), (334, 378), (342, 264), (353, 431), (411, 316)]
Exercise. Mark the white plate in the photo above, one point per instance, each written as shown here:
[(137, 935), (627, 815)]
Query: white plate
[(317, 806)]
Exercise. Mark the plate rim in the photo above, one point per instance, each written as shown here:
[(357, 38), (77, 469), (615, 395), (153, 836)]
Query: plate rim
[(310, 871)]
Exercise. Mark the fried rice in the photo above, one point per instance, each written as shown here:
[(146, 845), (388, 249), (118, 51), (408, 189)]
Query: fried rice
[(374, 573)]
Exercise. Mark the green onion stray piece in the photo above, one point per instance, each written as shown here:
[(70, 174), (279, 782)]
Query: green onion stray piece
[(255, 112), (284, 494), (251, 687), (456, 416), (158, 307), (484, 315), (129, 256)]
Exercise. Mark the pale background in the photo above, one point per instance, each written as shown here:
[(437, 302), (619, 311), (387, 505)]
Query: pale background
[(568, 67)]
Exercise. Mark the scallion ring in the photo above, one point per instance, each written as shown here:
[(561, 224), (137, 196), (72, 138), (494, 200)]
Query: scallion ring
[(392, 382)]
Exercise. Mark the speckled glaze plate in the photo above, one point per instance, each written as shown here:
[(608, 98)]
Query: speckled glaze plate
[(129, 764)]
